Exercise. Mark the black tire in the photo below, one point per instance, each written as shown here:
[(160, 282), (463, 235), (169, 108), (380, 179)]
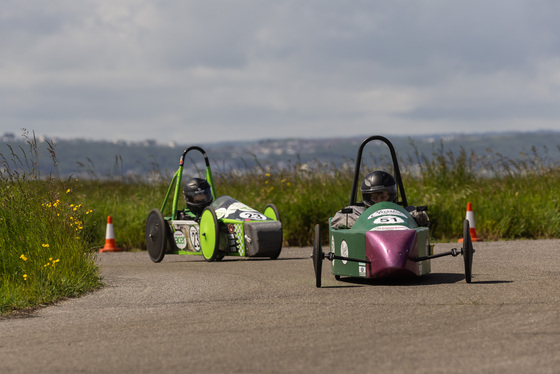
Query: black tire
[(209, 234), (276, 254), (156, 235), (467, 251), (317, 256), (272, 212)]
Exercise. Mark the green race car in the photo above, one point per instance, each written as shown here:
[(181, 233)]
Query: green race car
[(208, 226)]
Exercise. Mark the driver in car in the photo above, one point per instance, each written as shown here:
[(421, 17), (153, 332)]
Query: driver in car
[(198, 195), (376, 187)]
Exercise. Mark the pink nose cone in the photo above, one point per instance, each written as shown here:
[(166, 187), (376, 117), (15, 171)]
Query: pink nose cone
[(388, 251)]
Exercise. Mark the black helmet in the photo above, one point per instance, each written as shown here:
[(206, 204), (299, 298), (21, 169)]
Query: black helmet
[(197, 194), (378, 186)]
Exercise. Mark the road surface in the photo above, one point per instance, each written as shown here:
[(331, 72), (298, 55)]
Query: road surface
[(185, 315)]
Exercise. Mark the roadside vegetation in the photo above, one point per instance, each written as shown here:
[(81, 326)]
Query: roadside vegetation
[(51, 227), (45, 251)]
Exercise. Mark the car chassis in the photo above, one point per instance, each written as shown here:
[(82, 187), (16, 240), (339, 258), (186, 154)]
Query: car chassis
[(226, 227), (385, 241)]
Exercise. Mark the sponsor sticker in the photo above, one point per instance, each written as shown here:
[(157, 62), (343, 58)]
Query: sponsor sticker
[(389, 228), (387, 212), (362, 269), (344, 251), (180, 239)]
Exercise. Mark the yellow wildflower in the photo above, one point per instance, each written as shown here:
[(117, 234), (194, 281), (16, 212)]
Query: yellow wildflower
[(45, 245), (23, 257), (25, 277)]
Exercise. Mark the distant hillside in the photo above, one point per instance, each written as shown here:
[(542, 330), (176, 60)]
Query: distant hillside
[(103, 158)]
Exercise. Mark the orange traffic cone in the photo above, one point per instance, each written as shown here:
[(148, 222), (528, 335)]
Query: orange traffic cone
[(110, 238), (470, 218)]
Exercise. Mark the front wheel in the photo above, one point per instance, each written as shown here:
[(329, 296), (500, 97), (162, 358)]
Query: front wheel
[(467, 251), (272, 212), (156, 235), (317, 256), (209, 235)]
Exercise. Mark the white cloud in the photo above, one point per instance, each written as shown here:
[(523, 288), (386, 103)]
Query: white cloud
[(198, 71)]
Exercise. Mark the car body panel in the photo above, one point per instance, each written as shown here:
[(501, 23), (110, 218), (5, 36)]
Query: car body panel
[(387, 238)]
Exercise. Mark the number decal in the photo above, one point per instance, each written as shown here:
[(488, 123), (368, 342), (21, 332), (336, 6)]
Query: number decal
[(255, 216), (388, 220), (194, 237)]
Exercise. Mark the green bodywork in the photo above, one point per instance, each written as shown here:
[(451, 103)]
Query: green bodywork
[(185, 228), (384, 215)]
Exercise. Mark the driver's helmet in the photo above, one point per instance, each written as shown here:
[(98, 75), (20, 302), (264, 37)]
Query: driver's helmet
[(378, 186), (197, 194)]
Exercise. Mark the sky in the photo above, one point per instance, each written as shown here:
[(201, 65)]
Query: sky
[(226, 70)]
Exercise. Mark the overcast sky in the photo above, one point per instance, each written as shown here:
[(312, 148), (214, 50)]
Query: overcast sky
[(205, 71)]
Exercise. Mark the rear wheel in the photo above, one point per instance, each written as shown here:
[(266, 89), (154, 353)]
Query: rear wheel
[(209, 238), (467, 251), (156, 235), (276, 254), (317, 256), (272, 212)]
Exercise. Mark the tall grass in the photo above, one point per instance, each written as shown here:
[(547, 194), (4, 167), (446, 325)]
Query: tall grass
[(44, 253), (50, 228), (512, 199)]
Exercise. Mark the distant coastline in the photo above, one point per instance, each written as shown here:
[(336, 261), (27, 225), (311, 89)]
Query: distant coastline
[(120, 157)]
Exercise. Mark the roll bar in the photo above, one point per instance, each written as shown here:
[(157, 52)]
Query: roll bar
[(397, 172)]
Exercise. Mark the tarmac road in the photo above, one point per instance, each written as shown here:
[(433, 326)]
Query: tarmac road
[(261, 316)]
